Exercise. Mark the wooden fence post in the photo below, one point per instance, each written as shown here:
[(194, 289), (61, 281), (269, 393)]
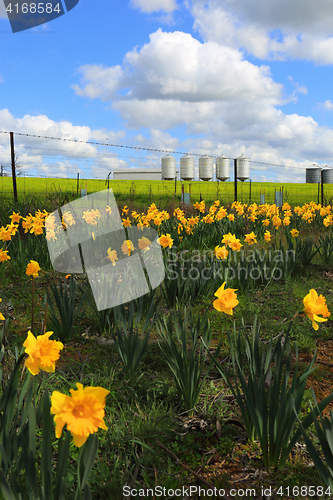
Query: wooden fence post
[(235, 180), (13, 164)]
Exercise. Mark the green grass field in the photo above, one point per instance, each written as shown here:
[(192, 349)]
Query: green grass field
[(141, 193)]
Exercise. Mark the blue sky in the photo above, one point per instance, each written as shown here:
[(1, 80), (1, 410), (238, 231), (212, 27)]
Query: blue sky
[(217, 77)]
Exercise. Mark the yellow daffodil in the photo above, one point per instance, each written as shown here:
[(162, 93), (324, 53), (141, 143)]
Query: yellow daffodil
[(42, 352), (165, 215), (235, 245), (276, 221), (82, 412), (221, 213), (33, 269), (193, 221), (91, 216), (209, 219), (37, 227), (150, 216), (250, 239), (26, 223), (238, 207), (127, 247), (158, 221), (328, 221), (221, 252), (69, 219), (4, 255), (12, 228), (226, 299), (267, 236), (228, 238), (315, 305), (112, 256), (50, 223), (294, 233), (1, 315), (165, 241), (15, 217), (200, 206), (50, 234), (144, 243), (125, 210), (126, 222), (5, 234)]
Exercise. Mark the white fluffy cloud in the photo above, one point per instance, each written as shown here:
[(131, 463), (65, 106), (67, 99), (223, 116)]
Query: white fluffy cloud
[(294, 15), (176, 80), (327, 105), (287, 29), (155, 5), (102, 82), (42, 155), (158, 140), (226, 104), (177, 66)]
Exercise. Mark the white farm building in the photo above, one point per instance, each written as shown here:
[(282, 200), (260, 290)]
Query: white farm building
[(133, 174)]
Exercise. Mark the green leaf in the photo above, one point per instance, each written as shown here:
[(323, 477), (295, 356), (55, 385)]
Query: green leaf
[(86, 493), (267, 412), (5, 488), (86, 460), (187, 366), (63, 451), (46, 459), (32, 430)]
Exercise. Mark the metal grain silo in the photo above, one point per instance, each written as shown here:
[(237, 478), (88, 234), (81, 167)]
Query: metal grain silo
[(205, 168), (243, 167), (222, 168), (313, 174), (187, 168), (327, 175), (168, 168)]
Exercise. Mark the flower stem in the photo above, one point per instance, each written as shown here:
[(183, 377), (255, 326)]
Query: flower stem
[(47, 303), (32, 308)]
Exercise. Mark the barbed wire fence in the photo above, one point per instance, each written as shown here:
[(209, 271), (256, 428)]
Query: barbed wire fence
[(91, 169)]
